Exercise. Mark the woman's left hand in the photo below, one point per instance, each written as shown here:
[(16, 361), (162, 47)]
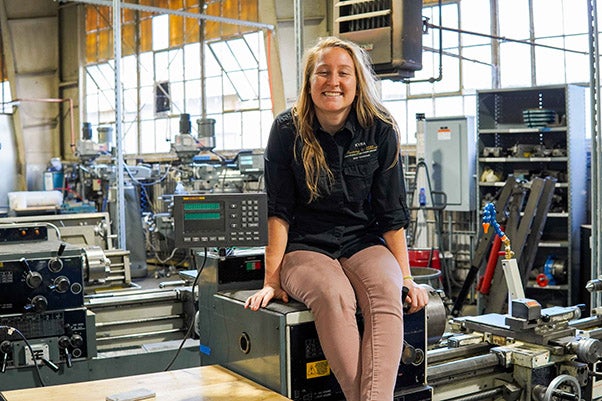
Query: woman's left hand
[(418, 295)]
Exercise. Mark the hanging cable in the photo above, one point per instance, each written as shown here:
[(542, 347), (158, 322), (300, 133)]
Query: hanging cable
[(10, 330), (191, 326)]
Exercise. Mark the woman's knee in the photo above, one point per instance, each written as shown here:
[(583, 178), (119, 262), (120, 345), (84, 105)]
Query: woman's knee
[(317, 281), (338, 300), (377, 279)]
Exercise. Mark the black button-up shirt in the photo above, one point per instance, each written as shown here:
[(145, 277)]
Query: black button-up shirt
[(366, 199)]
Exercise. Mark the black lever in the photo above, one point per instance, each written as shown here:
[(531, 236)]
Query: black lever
[(64, 344), (50, 364), (4, 348), (68, 358), (404, 295), (62, 247)]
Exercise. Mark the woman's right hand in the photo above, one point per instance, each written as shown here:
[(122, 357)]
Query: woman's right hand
[(262, 297)]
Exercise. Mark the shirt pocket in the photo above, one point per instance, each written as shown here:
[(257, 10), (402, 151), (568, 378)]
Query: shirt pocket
[(358, 179)]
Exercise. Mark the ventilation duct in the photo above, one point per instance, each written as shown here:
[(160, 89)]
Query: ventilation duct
[(389, 30)]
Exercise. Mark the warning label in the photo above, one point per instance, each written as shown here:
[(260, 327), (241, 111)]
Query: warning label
[(317, 369), (443, 134)]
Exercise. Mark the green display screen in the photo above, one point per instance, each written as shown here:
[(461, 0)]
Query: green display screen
[(202, 206), (202, 216)]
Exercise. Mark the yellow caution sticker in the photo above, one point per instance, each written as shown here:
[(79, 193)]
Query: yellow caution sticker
[(317, 369)]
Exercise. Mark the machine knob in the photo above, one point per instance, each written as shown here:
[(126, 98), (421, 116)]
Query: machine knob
[(5, 349), (5, 346), (64, 342), (588, 350), (61, 284), (408, 355), (32, 279), (38, 304), (77, 340), (55, 264)]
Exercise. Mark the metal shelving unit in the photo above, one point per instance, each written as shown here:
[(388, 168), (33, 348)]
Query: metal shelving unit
[(509, 145)]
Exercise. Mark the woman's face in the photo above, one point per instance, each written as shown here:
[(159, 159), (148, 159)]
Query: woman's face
[(333, 83)]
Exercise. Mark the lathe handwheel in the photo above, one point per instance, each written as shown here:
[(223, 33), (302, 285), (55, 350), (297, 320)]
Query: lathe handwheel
[(558, 385)]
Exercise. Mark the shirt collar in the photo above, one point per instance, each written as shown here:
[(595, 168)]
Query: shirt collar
[(351, 124)]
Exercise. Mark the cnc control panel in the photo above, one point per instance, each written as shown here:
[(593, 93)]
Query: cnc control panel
[(220, 220)]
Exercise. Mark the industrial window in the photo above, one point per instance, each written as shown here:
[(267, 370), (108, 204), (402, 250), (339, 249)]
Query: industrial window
[(543, 45), (561, 25), (431, 45), (162, 78), (238, 95)]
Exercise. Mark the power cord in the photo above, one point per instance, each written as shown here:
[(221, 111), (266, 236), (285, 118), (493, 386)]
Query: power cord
[(194, 284), (10, 330)]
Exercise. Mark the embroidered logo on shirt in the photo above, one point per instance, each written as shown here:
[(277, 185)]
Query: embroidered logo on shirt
[(361, 150)]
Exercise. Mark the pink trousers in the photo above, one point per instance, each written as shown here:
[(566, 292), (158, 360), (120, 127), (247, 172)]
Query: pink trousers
[(365, 366)]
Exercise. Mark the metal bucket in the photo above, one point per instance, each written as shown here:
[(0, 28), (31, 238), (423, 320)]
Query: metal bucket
[(427, 275), (436, 313)]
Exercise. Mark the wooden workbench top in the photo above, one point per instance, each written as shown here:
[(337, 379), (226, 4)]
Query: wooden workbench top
[(206, 383)]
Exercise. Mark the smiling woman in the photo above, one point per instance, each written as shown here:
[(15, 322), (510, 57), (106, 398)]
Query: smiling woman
[(333, 88), (336, 219)]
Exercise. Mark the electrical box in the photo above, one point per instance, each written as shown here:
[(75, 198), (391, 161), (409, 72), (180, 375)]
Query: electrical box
[(450, 144)]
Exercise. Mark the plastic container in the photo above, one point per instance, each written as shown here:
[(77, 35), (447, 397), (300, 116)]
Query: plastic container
[(34, 199)]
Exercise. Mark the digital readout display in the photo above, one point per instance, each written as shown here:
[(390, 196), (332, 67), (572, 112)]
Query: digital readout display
[(201, 216)]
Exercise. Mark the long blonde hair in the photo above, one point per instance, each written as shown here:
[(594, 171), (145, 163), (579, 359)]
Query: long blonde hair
[(367, 106)]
